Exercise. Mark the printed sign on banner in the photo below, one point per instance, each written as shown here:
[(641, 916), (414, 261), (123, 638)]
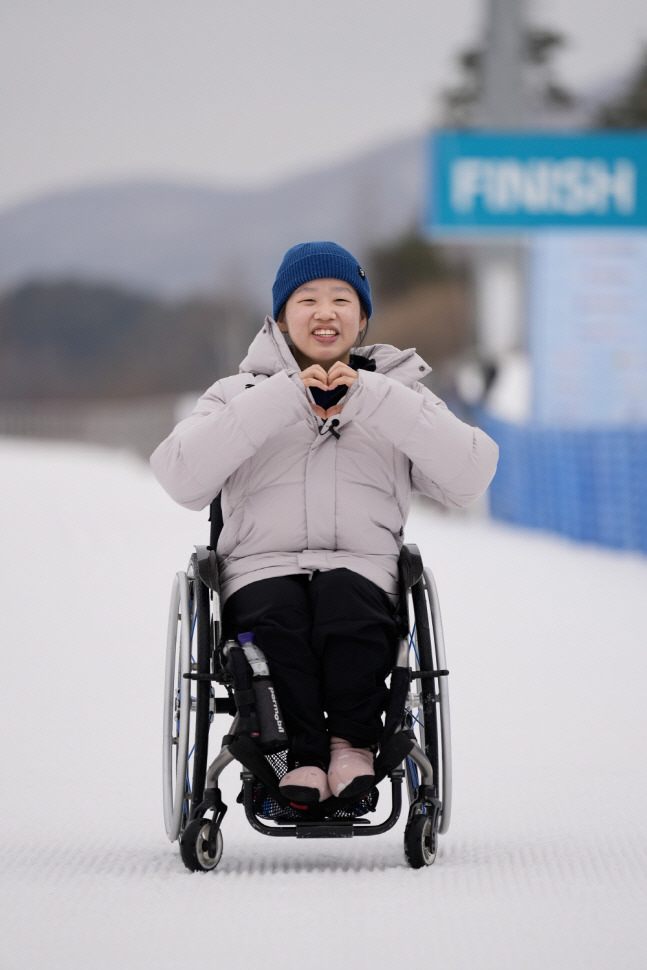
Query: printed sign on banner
[(587, 306)]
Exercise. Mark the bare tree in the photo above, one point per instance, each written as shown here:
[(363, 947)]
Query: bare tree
[(460, 102), (629, 109)]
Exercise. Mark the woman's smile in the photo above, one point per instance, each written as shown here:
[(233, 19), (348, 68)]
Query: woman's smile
[(325, 334)]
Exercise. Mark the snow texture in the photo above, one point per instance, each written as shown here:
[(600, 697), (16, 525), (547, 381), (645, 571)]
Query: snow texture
[(544, 863)]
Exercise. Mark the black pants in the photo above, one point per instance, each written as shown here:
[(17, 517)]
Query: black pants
[(330, 643)]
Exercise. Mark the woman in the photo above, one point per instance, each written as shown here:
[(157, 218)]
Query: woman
[(316, 446)]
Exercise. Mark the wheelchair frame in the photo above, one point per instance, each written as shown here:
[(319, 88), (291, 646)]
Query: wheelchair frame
[(418, 750)]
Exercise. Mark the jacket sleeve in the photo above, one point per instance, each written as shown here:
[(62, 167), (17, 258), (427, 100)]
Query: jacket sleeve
[(450, 460), (202, 451)]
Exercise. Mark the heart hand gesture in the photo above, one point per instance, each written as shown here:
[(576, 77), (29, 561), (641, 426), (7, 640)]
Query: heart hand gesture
[(338, 375)]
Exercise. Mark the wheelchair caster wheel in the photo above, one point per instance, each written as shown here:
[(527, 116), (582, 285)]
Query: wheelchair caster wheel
[(420, 841), (194, 846)]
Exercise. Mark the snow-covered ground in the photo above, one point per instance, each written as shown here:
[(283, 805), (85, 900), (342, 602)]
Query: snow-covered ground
[(544, 864)]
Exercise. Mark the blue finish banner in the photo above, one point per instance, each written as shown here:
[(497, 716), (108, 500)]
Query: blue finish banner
[(520, 182)]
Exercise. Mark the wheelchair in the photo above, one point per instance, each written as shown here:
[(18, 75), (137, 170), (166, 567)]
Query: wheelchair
[(415, 749)]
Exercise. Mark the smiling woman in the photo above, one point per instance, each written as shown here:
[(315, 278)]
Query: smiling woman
[(315, 496)]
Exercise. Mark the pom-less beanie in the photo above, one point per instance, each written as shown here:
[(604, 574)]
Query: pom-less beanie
[(318, 261)]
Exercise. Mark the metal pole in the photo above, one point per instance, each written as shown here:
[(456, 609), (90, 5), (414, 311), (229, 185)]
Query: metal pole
[(503, 97), (500, 265)]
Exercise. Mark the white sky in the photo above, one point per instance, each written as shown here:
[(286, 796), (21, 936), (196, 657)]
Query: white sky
[(245, 92)]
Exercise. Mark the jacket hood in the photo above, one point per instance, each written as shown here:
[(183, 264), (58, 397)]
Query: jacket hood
[(269, 353)]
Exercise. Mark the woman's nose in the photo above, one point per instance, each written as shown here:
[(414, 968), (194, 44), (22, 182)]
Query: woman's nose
[(327, 310)]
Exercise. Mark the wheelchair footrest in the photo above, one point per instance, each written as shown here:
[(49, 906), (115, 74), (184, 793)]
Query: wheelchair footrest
[(272, 806), (336, 820), (330, 829)]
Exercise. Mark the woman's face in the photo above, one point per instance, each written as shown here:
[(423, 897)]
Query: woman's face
[(323, 319)]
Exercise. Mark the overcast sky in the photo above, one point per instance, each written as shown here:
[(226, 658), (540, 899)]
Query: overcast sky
[(245, 92)]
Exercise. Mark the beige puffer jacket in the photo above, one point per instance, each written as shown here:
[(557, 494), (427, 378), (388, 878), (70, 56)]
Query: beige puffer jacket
[(297, 498)]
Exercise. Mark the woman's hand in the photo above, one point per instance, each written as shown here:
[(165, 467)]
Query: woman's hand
[(316, 376), (341, 374)]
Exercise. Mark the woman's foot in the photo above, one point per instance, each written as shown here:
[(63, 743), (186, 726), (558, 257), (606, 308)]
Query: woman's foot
[(306, 785), (351, 773)]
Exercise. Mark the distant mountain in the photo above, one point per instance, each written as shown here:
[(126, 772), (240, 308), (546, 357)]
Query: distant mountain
[(178, 240), (174, 240)]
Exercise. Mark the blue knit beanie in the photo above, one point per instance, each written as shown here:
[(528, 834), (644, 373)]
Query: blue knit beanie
[(319, 261)]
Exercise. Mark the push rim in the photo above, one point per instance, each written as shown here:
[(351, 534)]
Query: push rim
[(177, 707)]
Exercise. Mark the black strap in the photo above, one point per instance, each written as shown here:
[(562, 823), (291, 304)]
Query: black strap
[(428, 674), (251, 757), (216, 520), (244, 698), (396, 703), (243, 691)]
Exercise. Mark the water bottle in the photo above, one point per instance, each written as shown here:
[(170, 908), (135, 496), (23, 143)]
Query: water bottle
[(273, 735)]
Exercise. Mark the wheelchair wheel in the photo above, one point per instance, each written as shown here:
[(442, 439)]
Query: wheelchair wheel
[(197, 854), (186, 710), (420, 841), (429, 710)]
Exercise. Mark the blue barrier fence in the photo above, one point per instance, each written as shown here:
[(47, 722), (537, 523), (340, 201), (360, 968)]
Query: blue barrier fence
[(590, 485)]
